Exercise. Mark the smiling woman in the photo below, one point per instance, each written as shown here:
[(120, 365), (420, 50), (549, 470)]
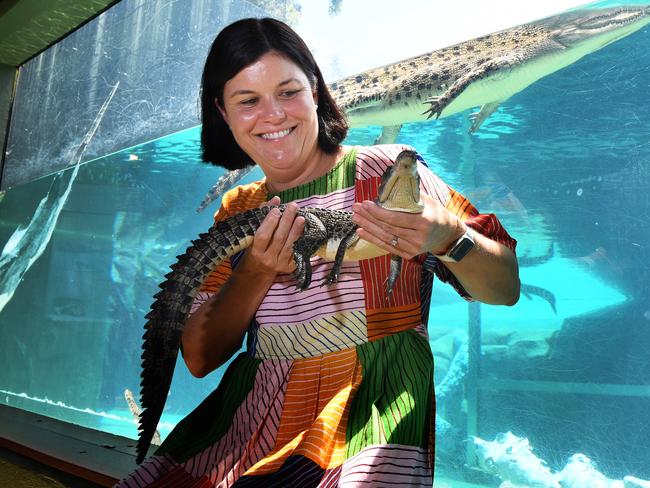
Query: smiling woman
[(240, 56), (335, 387)]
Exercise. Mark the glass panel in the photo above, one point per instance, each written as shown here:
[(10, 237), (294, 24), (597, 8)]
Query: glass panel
[(72, 330), (155, 50)]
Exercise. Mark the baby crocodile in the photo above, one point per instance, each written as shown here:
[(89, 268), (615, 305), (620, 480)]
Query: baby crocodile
[(330, 234)]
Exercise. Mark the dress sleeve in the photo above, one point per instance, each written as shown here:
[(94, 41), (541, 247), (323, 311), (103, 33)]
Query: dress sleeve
[(237, 200), (485, 224)]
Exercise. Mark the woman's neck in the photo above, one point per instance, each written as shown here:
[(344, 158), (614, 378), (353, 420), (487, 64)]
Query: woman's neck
[(324, 164)]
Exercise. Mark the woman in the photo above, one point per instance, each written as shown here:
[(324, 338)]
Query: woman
[(335, 388)]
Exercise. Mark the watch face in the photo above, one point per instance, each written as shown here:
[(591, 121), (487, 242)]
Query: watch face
[(461, 249)]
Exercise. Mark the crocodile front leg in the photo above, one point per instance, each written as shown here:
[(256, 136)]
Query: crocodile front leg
[(348, 240), (438, 103), (313, 237)]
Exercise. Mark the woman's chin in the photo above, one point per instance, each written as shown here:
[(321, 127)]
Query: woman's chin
[(281, 160)]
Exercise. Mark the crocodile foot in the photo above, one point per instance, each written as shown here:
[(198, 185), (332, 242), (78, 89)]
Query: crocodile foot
[(303, 278), (332, 277), (436, 105)]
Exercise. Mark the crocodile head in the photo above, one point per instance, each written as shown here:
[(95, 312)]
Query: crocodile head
[(594, 29), (399, 189)]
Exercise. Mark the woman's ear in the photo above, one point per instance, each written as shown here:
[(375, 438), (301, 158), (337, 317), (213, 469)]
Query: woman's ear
[(221, 110)]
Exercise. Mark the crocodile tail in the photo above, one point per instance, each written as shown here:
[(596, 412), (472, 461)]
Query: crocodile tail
[(169, 311)]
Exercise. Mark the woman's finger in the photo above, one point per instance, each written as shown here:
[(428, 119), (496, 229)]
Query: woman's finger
[(394, 218), (406, 238), (387, 246), (264, 233), (273, 201), (283, 228), (295, 232)]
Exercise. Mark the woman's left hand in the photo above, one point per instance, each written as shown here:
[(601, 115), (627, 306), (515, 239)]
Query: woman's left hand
[(433, 230)]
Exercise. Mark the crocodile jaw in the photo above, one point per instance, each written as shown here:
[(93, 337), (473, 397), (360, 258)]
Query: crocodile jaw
[(598, 27)]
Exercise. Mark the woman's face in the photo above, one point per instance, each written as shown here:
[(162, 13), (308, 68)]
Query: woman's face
[(271, 110)]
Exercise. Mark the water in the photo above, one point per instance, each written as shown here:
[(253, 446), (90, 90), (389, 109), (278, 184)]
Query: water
[(565, 164)]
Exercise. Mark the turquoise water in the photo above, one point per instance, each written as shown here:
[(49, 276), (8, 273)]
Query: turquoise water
[(564, 164)]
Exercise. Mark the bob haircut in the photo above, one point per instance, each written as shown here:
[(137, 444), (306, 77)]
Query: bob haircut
[(238, 46)]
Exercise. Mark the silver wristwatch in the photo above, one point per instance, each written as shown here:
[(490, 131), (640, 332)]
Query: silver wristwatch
[(459, 249)]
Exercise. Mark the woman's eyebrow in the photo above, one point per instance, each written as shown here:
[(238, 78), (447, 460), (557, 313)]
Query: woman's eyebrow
[(249, 92), (286, 82)]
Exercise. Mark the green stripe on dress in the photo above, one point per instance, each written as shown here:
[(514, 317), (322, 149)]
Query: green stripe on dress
[(393, 402), (208, 422), (340, 177)]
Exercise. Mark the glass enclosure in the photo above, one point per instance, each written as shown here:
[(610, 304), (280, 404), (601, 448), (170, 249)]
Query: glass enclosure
[(565, 164)]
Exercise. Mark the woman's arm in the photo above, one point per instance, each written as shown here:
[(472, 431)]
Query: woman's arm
[(489, 273), (215, 330)]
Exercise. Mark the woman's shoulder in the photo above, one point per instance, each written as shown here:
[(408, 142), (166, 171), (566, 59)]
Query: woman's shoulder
[(241, 198)]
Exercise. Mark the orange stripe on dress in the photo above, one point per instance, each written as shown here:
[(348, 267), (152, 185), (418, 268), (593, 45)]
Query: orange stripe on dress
[(486, 224), (241, 198), (388, 321), (460, 206), (315, 411), (217, 278), (237, 200)]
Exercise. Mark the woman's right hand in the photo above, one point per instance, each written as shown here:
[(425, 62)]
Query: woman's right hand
[(272, 249)]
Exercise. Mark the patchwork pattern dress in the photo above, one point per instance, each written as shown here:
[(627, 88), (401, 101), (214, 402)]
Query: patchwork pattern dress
[(336, 385)]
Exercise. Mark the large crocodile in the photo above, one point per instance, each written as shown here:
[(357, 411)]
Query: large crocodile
[(480, 72), (330, 234)]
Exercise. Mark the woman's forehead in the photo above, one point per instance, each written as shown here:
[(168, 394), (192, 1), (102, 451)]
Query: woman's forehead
[(270, 68)]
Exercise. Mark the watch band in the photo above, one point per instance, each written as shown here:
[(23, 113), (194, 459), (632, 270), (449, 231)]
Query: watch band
[(459, 249)]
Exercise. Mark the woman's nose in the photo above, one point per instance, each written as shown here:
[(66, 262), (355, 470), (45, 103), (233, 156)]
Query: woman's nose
[(272, 110)]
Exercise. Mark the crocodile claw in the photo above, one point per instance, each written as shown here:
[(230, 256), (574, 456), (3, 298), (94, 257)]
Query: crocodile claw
[(332, 278), (437, 105)]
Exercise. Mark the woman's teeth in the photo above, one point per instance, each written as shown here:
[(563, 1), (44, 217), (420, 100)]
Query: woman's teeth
[(276, 135)]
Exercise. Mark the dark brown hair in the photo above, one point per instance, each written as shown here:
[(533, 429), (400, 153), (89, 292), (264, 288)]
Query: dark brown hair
[(237, 46)]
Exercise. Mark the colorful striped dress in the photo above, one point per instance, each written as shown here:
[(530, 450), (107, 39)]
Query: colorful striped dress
[(336, 385)]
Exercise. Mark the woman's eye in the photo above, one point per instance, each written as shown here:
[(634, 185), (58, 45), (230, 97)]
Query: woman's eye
[(290, 93), (248, 102)]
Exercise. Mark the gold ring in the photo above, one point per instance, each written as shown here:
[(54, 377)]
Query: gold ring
[(395, 241)]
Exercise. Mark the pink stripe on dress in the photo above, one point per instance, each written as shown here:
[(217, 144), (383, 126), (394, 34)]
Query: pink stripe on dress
[(389, 465), (337, 200), (253, 430), (280, 307)]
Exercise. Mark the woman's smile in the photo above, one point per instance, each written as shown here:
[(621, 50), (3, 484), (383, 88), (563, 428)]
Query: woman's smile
[(274, 136)]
